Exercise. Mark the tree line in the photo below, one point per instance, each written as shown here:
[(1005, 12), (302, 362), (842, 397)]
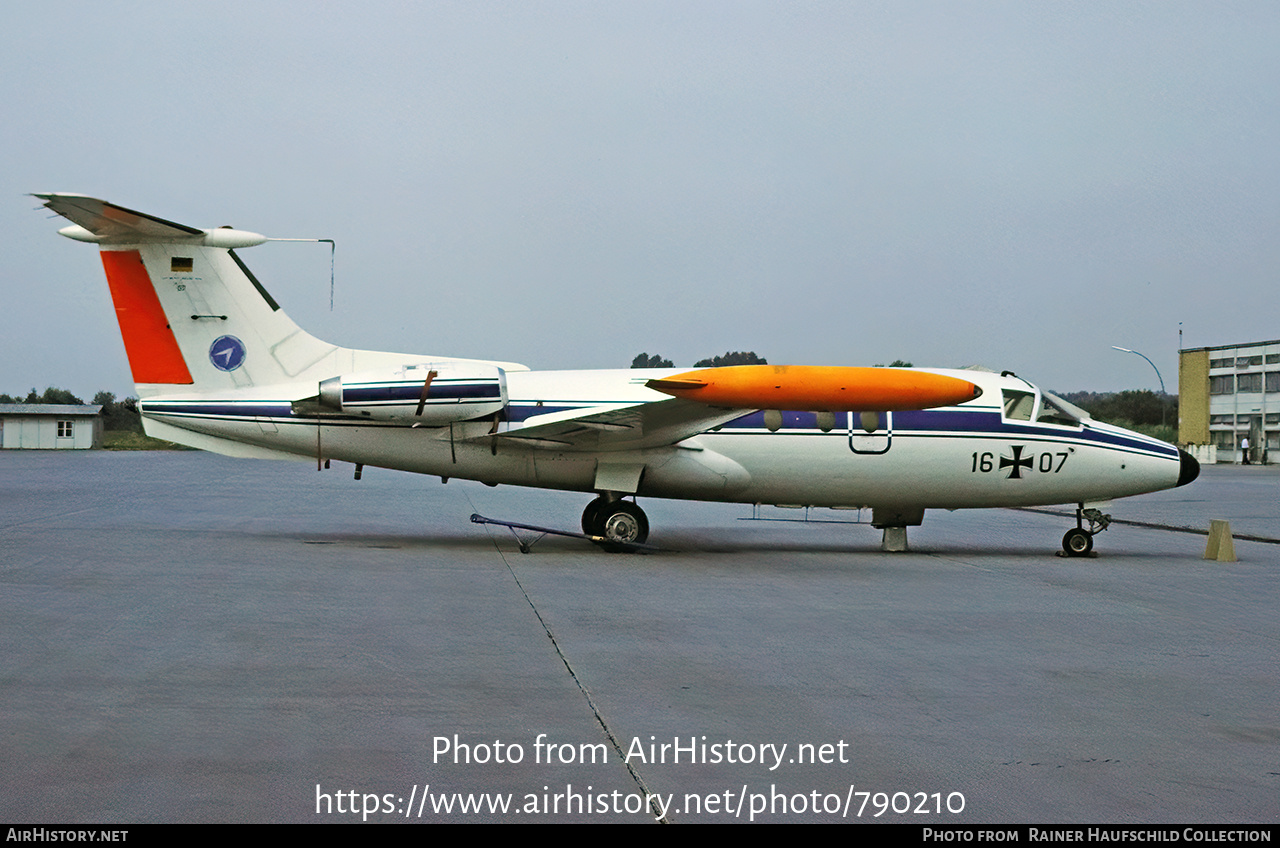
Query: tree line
[(1136, 406), (1152, 413), (733, 357), (116, 415)]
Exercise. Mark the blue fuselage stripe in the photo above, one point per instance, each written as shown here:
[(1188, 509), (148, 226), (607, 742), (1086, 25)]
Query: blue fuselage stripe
[(929, 423)]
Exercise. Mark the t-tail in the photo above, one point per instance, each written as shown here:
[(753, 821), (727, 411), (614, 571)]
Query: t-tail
[(197, 324)]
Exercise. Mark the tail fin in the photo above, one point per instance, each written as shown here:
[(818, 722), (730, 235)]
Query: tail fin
[(190, 311), (198, 325)]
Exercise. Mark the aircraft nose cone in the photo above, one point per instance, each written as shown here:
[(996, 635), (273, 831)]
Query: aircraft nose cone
[(1190, 468)]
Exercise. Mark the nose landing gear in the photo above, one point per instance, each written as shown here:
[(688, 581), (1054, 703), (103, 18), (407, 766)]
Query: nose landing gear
[(1079, 542)]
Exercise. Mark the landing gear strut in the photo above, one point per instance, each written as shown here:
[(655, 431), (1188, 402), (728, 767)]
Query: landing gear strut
[(1079, 542), (615, 520)]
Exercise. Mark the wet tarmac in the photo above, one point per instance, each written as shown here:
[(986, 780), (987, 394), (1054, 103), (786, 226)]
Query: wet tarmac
[(193, 638)]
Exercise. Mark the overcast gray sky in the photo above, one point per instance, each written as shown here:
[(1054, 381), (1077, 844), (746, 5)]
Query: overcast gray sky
[(1020, 185)]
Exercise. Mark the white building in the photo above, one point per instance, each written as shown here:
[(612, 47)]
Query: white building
[(1229, 393), (46, 426)]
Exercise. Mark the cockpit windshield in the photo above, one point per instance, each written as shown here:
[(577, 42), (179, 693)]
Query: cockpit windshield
[(1021, 406), (1055, 410)]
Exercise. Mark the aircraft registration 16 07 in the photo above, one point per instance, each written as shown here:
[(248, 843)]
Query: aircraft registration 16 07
[(219, 366)]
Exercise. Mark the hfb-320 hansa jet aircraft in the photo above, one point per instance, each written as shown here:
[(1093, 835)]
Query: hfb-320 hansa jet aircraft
[(219, 366)]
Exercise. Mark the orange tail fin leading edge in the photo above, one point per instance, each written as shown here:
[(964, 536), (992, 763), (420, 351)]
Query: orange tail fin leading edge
[(154, 356)]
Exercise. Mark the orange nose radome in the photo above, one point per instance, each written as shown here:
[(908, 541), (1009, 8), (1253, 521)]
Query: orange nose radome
[(817, 388)]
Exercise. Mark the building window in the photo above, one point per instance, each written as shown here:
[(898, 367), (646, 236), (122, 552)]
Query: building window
[(1221, 363), (1222, 419), (1248, 383), (1221, 385), (1246, 361), (1273, 381), (65, 430)]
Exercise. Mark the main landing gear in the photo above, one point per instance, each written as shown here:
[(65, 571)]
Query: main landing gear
[(1079, 542), (615, 520)]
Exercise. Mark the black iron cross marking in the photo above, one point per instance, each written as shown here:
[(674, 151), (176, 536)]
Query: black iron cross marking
[(1016, 464)]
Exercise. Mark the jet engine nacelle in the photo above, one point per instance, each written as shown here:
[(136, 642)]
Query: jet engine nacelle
[(430, 393)]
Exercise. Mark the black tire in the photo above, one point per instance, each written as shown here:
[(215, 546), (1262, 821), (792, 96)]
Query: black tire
[(1077, 543), (622, 523), (591, 524)]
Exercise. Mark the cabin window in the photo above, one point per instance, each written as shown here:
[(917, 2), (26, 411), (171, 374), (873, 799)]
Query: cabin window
[(65, 430), (181, 264), (1018, 406)]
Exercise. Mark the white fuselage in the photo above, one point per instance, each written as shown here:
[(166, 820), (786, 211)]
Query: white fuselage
[(971, 455), (219, 365)]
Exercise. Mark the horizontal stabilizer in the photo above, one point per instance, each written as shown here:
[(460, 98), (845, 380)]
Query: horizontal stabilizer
[(99, 222), (115, 222)]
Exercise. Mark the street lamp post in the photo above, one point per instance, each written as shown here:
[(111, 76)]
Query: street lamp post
[(1158, 377)]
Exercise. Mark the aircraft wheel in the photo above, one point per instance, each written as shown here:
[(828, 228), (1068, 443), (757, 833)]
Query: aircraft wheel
[(622, 521), (1077, 542), (591, 517)]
